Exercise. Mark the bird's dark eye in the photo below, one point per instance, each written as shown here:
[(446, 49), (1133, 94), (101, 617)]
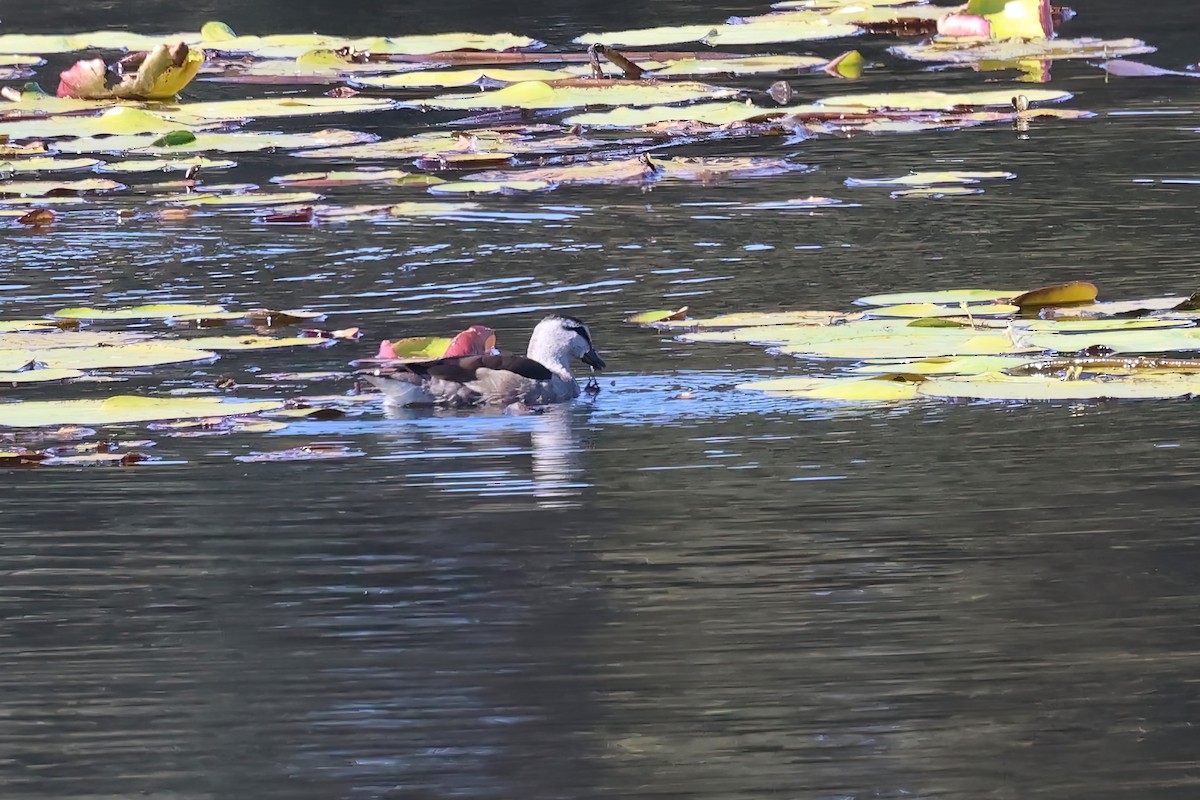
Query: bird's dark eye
[(581, 331)]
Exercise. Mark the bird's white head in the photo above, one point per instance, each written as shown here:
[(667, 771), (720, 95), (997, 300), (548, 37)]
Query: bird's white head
[(557, 339)]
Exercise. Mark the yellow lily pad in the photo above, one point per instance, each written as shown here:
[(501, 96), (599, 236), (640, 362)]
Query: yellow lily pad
[(238, 142), (119, 121), (47, 164), (42, 188), (940, 101), (751, 65), (154, 311), (123, 409), (38, 376), (430, 209), (706, 113), (1059, 295), (998, 386), (225, 343), (147, 354), (945, 297), (652, 317), (421, 347), (510, 186), (1132, 341), (932, 179), (969, 51), (573, 94), (944, 365), (927, 310), (756, 320), (245, 200), (165, 164), (199, 114), (456, 78)]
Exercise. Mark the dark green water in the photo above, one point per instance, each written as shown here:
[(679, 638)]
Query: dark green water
[(724, 597)]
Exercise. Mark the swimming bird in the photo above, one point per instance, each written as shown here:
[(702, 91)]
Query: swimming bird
[(541, 376)]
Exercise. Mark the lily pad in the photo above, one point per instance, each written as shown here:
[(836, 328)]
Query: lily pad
[(457, 78), (47, 164), (751, 65), (147, 354), (969, 51), (38, 376), (877, 389), (945, 297), (248, 199), (123, 409), (940, 101), (43, 188), (998, 386), (354, 177), (224, 343), (932, 179), (155, 311), (577, 93)]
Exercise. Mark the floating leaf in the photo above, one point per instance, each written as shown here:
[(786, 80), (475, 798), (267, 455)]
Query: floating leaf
[(947, 297), (750, 65), (240, 142), (969, 51), (223, 343), (951, 365), (771, 28), (38, 376), (506, 186), (1136, 69), (263, 317), (174, 139), (248, 199), (931, 179), (165, 165), (456, 78), (940, 101), (935, 192), (879, 389), (706, 113), (651, 317), (48, 164), (582, 92), (123, 409), (313, 452), (419, 347), (354, 177), (43, 188), (926, 310), (148, 354), (155, 311), (1059, 295), (998, 386), (206, 113), (756, 320)]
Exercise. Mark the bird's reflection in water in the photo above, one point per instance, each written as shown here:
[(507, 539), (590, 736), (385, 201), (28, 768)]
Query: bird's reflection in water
[(550, 437)]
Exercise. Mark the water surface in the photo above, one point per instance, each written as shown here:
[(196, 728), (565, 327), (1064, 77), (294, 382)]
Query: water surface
[(727, 596)]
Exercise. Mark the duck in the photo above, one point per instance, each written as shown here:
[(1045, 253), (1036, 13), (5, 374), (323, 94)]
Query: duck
[(540, 377)]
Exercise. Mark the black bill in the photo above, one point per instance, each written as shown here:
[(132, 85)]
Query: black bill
[(593, 360)]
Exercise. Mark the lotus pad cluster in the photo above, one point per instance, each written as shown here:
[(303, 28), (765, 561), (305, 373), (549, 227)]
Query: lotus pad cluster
[(1056, 343), (510, 115)]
